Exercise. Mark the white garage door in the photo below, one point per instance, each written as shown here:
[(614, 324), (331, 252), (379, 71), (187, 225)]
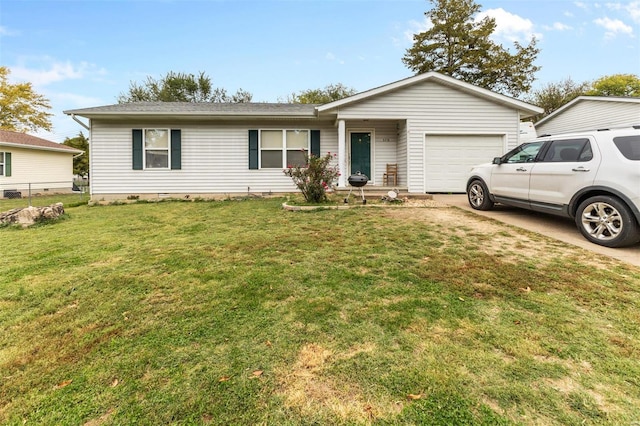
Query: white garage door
[(448, 159)]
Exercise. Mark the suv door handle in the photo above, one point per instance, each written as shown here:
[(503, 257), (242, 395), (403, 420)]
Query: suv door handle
[(580, 169), (521, 169)]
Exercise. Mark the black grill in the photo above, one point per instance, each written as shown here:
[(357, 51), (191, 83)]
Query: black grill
[(357, 180)]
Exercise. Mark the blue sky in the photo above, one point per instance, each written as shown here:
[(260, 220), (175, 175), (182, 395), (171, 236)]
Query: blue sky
[(85, 53)]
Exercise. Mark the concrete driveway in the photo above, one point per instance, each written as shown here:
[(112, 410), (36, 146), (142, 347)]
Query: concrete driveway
[(560, 228)]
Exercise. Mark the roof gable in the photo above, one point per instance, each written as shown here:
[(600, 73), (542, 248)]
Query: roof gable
[(581, 99), (524, 107), (9, 138)]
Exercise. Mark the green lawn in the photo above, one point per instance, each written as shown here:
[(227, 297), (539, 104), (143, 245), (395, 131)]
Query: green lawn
[(238, 312)]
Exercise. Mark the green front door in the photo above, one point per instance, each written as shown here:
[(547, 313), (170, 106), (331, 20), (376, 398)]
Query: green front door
[(361, 153)]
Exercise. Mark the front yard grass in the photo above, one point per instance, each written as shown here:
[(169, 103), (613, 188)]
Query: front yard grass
[(238, 312)]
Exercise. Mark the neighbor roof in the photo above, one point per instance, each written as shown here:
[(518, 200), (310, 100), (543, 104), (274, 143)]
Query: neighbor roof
[(579, 99), (200, 109), (23, 140)]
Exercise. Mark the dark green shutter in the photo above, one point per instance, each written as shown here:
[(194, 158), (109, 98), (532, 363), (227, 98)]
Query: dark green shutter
[(253, 149), (7, 164), (176, 149), (137, 149), (315, 143)]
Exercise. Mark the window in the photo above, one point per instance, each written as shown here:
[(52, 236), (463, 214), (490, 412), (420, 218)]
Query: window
[(283, 148), (569, 150), (156, 149), (5, 164), (629, 146), (525, 153)]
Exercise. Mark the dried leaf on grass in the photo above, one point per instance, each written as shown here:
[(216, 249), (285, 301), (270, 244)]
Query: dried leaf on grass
[(414, 397), (63, 384), (224, 379), (256, 374)]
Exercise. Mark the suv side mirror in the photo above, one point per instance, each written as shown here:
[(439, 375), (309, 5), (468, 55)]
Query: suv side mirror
[(497, 160)]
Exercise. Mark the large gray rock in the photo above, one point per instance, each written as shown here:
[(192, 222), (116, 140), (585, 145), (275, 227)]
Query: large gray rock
[(29, 215)]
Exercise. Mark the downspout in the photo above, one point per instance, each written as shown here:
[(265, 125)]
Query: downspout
[(80, 122)]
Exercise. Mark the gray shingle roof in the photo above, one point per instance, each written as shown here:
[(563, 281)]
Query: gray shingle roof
[(204, 108)]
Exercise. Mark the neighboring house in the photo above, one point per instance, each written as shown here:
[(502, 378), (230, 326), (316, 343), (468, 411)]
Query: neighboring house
[(28, 161), (432, 126), (591, 113)]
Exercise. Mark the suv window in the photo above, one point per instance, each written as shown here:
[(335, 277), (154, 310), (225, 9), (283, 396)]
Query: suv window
[(629, 146), (568, 150), (525, 153)]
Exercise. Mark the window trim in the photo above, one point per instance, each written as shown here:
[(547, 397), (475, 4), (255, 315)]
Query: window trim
[(284, 149), (2, 164), (144, 148)]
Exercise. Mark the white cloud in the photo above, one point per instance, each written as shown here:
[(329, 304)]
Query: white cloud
[(581, 5), (558, 26), (613, 27), (509, 26), (633, 9), (43, 71), (4, 31), (331, 57), (416, 27)]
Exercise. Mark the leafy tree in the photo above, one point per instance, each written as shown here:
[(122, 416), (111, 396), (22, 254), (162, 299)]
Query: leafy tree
[(22, 109), (616, 85), (80, 163), (554, 95), (181, 87), (330, 93), (460, 46)]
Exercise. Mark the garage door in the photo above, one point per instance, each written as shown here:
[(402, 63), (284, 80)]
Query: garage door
[(448, 159)]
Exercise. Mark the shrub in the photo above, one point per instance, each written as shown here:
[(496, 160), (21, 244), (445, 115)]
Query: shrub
[(315, 177)]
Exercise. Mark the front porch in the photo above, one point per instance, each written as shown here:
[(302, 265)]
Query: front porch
[(369, 147)]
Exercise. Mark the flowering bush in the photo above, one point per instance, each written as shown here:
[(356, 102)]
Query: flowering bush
[(315, 177)]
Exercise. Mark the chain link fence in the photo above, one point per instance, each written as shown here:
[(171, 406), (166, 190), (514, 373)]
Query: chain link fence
[(20, 195)]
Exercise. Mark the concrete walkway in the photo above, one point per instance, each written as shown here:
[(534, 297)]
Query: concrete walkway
[(560, 228)]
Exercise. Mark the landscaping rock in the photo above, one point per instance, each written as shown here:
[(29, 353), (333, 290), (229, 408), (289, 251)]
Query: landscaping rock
[(29, 215)]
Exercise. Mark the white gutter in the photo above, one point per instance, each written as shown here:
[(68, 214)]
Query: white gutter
[(80, 122)]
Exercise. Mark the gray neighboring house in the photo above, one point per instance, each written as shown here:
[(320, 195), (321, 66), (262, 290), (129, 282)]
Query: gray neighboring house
[(432, 126), (591, 113)]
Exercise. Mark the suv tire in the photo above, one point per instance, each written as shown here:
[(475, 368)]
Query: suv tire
[(478, 196), (607, 221)]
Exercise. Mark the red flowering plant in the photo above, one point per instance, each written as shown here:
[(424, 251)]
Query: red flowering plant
[(314, 177)]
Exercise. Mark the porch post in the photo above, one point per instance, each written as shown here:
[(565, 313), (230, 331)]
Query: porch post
[(342, 154)]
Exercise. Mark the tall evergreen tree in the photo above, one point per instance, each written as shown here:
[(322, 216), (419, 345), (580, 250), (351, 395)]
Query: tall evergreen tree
[(460, 46)]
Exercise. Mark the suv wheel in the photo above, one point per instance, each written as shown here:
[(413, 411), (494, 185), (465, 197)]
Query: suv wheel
[(607, 221), (478, 196)]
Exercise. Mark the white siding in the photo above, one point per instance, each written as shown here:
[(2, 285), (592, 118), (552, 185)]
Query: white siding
[(590, 115), (433, 108), (215, 160), (48, 170)]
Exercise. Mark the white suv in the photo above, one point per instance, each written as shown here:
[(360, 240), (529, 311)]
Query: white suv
[(593, 177)]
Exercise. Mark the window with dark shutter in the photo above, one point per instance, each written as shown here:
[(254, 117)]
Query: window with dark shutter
[(253, 149), (137, 149), (315, 143), (176, 149)]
